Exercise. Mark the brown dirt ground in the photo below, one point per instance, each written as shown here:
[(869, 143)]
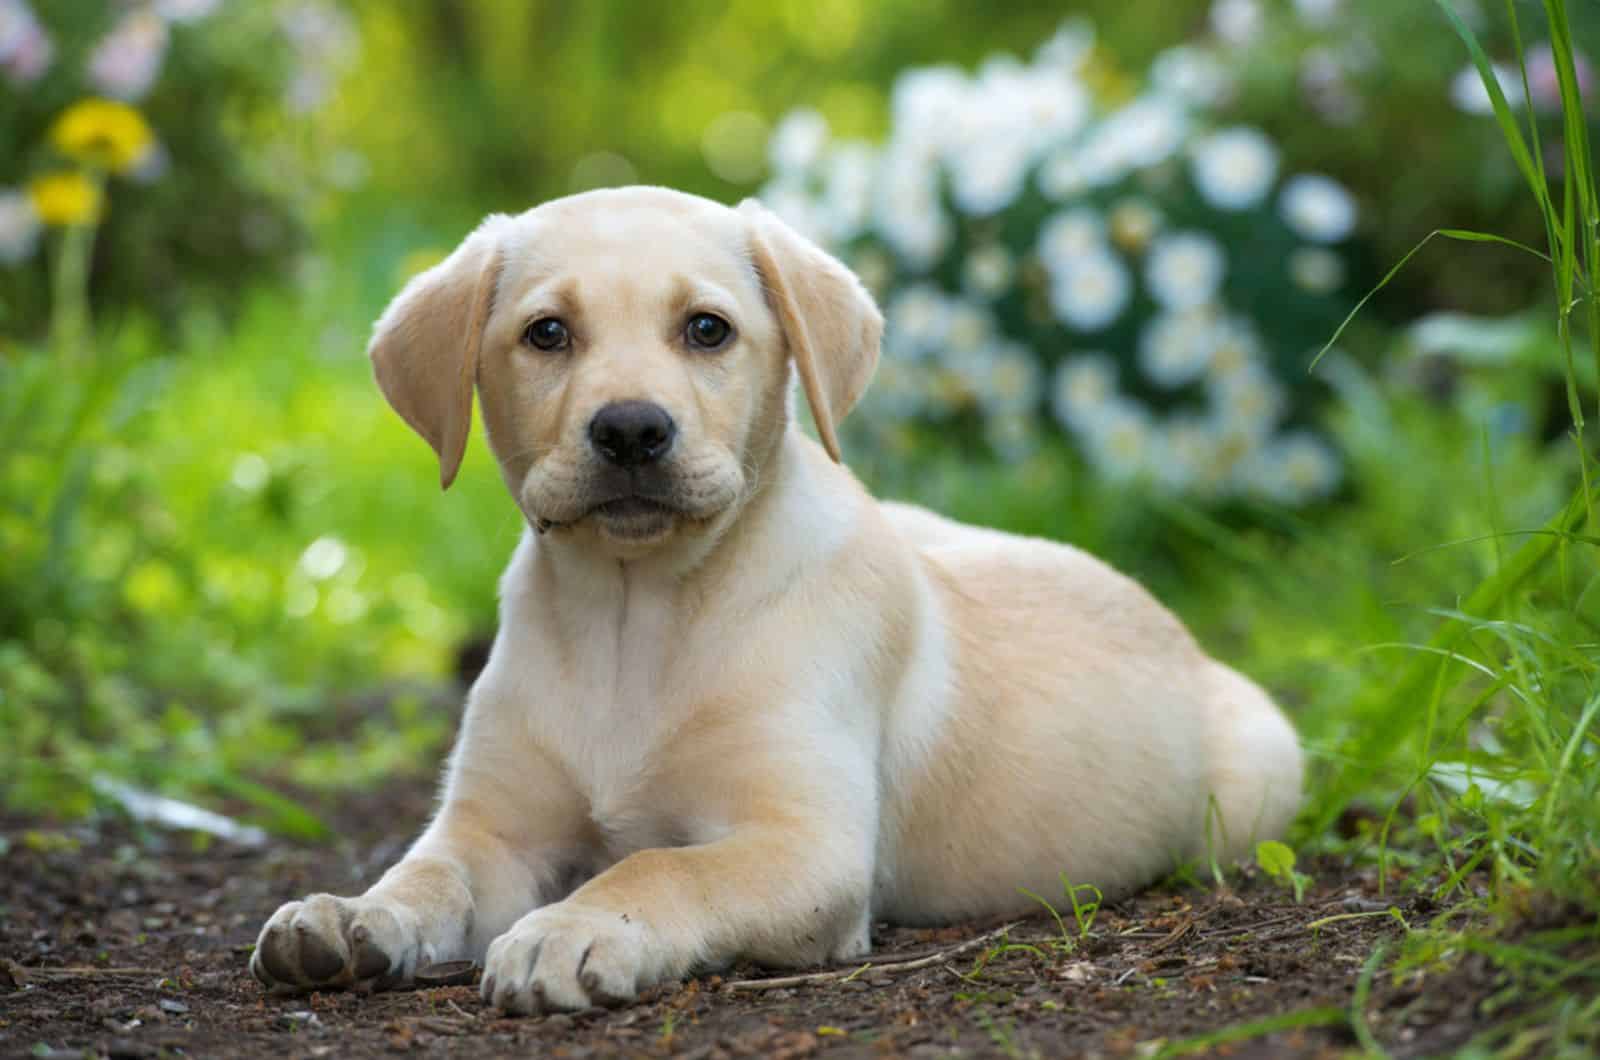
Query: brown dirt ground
[(119, 941)]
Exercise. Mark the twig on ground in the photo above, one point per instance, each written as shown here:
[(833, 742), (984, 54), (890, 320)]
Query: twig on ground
[(83, 971), (1250, 929), (845, 975), (1173, 936)]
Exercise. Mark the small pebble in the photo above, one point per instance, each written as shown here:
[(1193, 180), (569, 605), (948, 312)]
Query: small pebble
[(175, 1007)]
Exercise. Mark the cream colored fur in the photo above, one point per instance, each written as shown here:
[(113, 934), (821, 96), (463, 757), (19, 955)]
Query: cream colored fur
[(750, 728)]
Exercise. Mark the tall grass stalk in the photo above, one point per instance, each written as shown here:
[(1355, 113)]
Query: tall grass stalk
[(1491, 724)]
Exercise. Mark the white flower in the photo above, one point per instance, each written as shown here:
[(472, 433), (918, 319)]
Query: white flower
[(186, 10), (1326, 86), (1011, 383), (1176, 348), (1234, 348), (1249, 402), (19, 226), (1317, 12), (1144, 133), (987, 176), (1133, 224), (790, 201), (1316, 269), (917, 321), (1061, 175), (25, 49), (1083, 383), (968, 326), (1468, 93), (798, 141), (907, 211), (1070, 235), (1011, 435), (1069, 48), (124, 65), (1120, 440), (1294, 469), (849, 173), (1192, 75), (1185, 269), (1091, 291), (897, 391), (1238, 22), (1234, 168), (1042, 106), (1183, 455), (1318, 208), (988, 270), (921, 105)]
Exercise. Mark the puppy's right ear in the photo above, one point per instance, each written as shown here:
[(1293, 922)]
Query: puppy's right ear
[(425, 346)]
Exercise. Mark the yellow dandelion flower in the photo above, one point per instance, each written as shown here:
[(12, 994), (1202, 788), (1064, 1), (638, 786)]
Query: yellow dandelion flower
[(102, 133), (66, 198)]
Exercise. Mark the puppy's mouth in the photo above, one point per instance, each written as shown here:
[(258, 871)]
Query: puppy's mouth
[(634, 506), (629, 516)]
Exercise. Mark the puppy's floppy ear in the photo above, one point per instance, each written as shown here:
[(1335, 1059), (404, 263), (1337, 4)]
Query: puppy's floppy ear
[(829, 321), (425, 346)]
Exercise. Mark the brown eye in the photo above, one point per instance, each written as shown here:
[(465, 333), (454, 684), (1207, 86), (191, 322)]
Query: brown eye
[(547, 333), (708, 331)]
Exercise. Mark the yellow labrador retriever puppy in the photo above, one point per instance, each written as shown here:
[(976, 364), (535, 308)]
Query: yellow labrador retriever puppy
[(738, 708)]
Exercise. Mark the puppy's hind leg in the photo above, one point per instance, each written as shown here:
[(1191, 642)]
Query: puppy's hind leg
[(1255, 764)]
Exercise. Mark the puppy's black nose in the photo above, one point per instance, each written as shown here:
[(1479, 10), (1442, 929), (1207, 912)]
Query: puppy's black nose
[(631, 433)]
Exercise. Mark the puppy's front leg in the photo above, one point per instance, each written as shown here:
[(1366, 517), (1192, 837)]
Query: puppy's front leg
[(789, 885), (494, 851)]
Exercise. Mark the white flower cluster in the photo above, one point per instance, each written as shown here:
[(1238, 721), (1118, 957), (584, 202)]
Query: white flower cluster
[(1111, 317)]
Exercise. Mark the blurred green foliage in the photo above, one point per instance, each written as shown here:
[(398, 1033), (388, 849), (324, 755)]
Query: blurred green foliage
[(222, 201), (521, 102)]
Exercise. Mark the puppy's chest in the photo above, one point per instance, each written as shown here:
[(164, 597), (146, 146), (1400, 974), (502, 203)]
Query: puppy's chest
[(612, 695)]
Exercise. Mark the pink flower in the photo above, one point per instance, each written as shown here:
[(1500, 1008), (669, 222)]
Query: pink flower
[(1545, 83), (125, 64), (25, 50)]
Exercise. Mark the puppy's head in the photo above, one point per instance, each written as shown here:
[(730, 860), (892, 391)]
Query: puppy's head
[(631, 351)]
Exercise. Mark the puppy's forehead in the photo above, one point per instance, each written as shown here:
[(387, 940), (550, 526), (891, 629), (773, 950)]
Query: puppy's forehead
[(647, 240)]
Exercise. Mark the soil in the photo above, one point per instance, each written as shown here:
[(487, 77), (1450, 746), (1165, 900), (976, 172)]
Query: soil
[(121, 941)]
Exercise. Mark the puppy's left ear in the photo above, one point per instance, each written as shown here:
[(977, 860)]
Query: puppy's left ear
[(832, 326), (425, 346)]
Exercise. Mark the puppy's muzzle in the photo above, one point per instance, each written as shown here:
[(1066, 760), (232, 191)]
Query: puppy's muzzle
[(631, 434)]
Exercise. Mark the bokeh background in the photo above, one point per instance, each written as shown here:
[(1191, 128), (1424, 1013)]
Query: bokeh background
[(1111, 242)]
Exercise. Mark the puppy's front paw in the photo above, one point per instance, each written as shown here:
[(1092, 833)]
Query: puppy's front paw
[(566, 957), (325, 941)]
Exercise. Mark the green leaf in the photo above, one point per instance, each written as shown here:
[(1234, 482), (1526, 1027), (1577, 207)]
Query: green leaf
[(1275, 858)]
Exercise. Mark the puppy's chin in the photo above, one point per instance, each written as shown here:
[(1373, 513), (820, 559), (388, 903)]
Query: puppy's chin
[(633, 524)]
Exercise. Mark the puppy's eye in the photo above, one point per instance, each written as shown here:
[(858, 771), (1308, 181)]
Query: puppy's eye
[(547, 333), (707, 331)]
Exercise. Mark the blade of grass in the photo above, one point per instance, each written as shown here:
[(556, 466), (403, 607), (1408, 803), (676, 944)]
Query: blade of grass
[(1311, 1017), (1461, 234), (1384, 737)]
